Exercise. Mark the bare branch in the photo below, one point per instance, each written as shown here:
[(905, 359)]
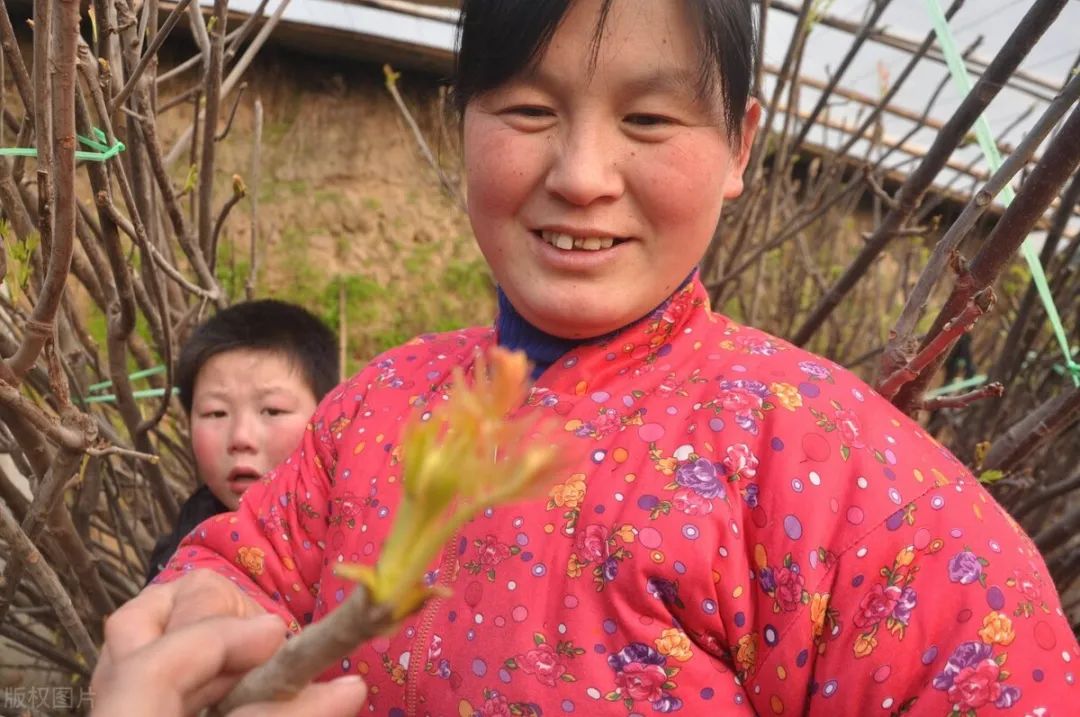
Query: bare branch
[(1013, 51), (232, 113), (916, 303), (23, 552), (239, 192), (150, 55), (448, 186), (941, 343), (212, 85), (1042, 424), (1059, 161), (963, 400), (256, 156)]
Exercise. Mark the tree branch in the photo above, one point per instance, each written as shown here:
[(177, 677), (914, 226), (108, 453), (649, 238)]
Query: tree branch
[(939, 346), (1013, 51), (916, 302), (1059, 161)]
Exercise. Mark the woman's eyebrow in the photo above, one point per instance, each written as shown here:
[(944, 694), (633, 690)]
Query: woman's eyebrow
[(669, 81), (664, 80)]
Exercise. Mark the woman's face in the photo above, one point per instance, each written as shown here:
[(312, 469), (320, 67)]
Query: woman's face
[(593, 194)]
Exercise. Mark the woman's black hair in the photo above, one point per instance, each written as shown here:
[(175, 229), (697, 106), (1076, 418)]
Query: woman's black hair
[(497, 39)]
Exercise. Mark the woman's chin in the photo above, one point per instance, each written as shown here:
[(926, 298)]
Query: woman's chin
[(581, 322)]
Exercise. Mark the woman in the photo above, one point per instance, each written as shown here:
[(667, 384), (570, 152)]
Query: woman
[(752, 531)]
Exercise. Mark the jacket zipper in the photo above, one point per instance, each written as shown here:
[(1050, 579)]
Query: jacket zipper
[(420, 642)]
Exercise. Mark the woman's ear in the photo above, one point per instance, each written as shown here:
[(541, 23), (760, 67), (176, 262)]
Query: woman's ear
[(740, 155), (750, 123)]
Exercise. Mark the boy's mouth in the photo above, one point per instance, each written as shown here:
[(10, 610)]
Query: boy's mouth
[(240, 479), (568, 242)]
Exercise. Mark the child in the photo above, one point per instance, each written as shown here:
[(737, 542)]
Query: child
[(753, 530), (249, 379)]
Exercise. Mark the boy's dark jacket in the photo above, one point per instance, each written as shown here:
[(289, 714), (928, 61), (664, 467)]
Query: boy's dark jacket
[(201, 505)]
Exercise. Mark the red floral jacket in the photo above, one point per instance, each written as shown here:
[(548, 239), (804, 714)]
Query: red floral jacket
[(752, 530)]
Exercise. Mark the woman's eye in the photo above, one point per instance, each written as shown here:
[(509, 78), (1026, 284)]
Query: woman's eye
[(212, 414), (530, 111), (274, 411), (644, 120)]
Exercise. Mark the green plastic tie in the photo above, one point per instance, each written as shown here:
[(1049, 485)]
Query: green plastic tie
[(102, 151), (154, 371), (958, 386), (960, 76), (147, 393)]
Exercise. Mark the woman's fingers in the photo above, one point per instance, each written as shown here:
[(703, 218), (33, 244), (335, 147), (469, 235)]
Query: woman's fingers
[(138, 622), (202, 594), (187, 669), (224, 646), (342, 697), (180, 647)]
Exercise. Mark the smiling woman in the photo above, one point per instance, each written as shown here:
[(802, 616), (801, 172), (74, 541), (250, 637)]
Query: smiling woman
[(740, 527), (594, 193)]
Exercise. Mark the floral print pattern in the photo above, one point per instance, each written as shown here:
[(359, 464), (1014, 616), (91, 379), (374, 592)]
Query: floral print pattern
[(642, 675), (745, 529)]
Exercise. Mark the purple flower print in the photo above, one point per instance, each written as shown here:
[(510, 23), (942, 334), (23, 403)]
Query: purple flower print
[(667, 704), (611, 569), (973, 678), (662, 589), (964, 568), (750, 495), (640, 676), (966, 654), (700, 477), (1009, 696), (904, 605), (635, 652), (746, 422), (756, 346), (814, 370), (768, 579), (757, 388), (744, 398)]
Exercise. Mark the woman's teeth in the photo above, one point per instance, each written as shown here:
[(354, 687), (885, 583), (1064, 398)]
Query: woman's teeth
[(567, 242)]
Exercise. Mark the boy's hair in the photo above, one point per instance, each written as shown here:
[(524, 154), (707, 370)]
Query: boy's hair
[(265, 325)]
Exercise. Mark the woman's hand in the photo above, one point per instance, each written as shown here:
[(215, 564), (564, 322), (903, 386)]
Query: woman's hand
[(193, 667), (178, 648)]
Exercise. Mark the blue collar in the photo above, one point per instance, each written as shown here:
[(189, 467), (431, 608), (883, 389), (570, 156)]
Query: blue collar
[(517, 334), (542, 349)]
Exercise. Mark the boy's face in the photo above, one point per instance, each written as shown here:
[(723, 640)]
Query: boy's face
[(249, 412)]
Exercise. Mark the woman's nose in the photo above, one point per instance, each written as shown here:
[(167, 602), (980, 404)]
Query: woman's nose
[(585, 167)]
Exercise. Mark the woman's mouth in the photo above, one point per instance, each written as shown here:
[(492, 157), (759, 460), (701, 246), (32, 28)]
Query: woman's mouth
[(567, 242)]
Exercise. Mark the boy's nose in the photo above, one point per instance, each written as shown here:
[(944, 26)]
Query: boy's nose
[(242, 436), (584, 169)]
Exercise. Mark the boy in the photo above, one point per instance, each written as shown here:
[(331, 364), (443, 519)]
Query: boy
[(249, 379)]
